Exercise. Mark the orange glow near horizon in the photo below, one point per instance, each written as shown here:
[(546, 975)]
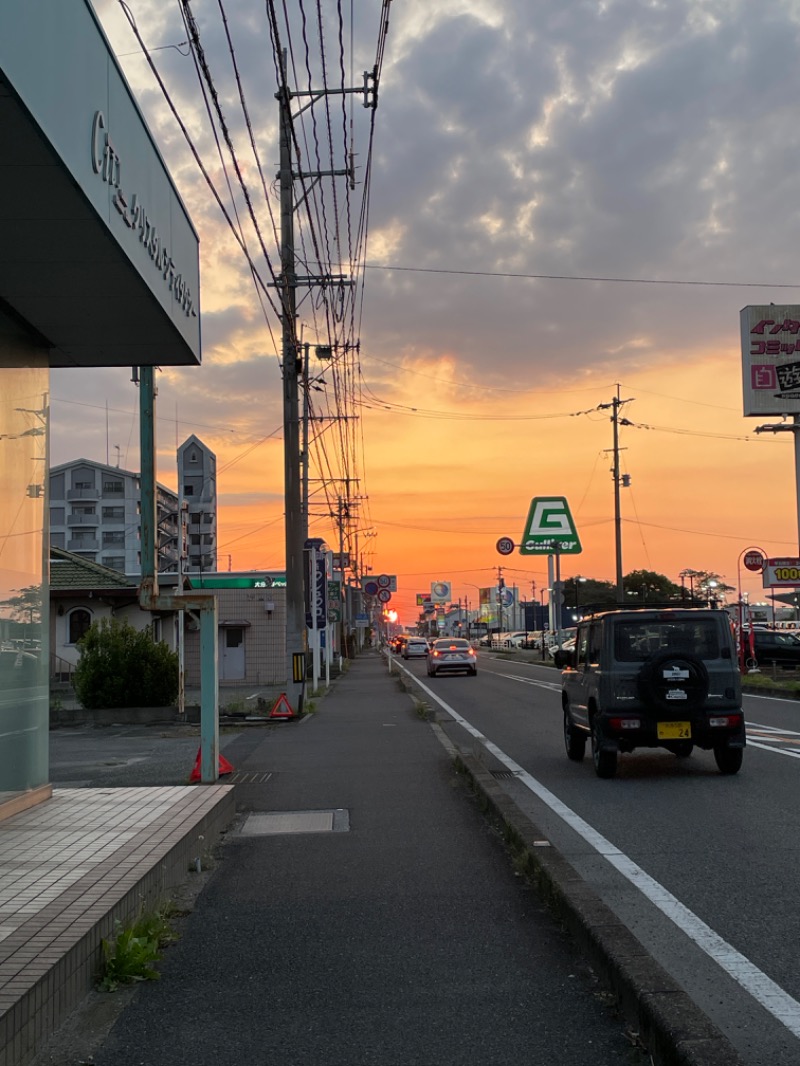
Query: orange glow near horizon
[(440, 491)]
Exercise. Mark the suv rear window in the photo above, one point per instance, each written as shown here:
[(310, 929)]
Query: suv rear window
[(636, 641)]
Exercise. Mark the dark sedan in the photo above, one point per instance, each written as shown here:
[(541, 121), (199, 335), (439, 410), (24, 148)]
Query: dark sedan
[(772, 646)]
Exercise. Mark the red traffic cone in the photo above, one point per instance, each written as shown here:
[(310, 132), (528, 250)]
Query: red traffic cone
[(224, 767)]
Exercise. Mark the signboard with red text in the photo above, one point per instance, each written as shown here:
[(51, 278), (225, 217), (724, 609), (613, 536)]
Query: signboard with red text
[(771, 359)]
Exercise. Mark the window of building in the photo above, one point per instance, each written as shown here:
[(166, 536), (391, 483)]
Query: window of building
[(57, 516), (115, 562), (79, 622), (114, 537), (114, 514), (112, 487), (188, 490)]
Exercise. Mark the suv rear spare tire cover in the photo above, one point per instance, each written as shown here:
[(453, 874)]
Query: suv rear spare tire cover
[(672, 682)]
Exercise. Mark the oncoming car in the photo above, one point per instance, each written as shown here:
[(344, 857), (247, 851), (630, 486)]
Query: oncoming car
[(450, 655), (654, 678)]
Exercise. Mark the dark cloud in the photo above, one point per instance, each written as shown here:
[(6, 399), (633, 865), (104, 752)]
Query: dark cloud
[(541, 137)]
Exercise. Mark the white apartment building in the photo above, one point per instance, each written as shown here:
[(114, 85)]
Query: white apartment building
[(95, 512)]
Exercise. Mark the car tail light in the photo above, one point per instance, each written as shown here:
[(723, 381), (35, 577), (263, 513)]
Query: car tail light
[(726, 721), (624, 723), (436, 654)]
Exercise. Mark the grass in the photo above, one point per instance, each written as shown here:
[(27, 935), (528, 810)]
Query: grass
[(132, 953), (767, 681)]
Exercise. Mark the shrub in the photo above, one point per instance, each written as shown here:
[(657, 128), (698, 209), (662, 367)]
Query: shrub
[(124, 667)]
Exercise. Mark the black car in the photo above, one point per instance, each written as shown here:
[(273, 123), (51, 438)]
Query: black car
[(769, 646), (654, 678)]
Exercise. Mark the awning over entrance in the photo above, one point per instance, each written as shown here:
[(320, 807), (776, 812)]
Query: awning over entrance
[(98, 257)]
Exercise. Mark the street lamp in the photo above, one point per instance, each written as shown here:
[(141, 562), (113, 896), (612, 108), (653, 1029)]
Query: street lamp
[(578, 581)]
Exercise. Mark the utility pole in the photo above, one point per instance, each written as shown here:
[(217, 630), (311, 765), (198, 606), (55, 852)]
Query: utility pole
[(292, 369), (616, 422), (292, 365), (789, 427)]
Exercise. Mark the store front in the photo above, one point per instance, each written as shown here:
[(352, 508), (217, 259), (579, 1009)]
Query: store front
[(99, 266)]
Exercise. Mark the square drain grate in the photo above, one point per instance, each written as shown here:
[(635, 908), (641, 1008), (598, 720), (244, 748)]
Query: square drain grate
[(282, 823)]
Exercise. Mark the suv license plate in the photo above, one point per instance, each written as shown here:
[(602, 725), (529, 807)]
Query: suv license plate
[(674, 730)]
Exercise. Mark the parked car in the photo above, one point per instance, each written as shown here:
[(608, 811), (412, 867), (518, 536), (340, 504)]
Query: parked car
[(772, 646), (415, 648), (561, 646), (515, 639), (654, 678), (452, 655)]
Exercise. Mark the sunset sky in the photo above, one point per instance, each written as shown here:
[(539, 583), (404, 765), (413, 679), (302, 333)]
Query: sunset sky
[(524, 151)]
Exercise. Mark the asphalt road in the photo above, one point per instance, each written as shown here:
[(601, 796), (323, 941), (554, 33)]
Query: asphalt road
[(718, 854), (405, 939)]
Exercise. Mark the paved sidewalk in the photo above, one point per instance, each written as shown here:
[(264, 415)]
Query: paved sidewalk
[(69, 868), (364, 913)]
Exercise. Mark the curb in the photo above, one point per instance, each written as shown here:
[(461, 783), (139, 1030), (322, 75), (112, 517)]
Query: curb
[(669, 1024)]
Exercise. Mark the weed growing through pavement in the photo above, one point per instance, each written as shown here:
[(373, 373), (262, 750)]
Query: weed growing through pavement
[(135, 949)]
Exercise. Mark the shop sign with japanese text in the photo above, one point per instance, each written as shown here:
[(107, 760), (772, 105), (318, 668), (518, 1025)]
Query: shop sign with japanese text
[(782, 573), (771, 359)]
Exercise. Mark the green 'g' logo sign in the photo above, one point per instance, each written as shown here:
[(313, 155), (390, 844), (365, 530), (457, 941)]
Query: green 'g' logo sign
[(550, 529)]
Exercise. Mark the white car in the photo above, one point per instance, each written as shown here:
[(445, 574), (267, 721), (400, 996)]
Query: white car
[(415, 648), (452, 655)]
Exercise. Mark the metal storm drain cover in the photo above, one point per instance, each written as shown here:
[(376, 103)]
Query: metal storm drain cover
[(277, 823)]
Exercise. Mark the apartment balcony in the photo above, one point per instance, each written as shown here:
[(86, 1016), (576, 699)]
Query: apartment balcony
[(81, 545), (83, 494), (83, 520)]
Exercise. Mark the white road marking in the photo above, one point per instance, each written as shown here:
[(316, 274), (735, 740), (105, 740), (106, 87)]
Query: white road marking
[(754, 981), (771, 747)]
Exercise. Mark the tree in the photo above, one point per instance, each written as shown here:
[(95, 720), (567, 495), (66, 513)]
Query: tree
[(124, 667), (650, 586), (588, 592), (27, 607), (710, 587)]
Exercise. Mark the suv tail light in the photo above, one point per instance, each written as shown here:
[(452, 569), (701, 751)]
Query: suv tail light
[(726, 721)]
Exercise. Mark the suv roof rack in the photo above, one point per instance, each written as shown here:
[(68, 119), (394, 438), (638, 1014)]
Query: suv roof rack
[(657, 605)]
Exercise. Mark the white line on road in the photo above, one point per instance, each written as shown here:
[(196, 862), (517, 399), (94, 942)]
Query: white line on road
[(754, 981), (771, 747)]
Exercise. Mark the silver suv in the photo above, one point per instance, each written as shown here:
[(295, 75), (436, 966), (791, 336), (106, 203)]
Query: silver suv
[(654, 678)]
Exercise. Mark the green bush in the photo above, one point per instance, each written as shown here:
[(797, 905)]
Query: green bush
[(124, 667)]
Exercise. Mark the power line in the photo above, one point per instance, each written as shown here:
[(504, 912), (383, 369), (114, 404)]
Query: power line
[(590, 277)]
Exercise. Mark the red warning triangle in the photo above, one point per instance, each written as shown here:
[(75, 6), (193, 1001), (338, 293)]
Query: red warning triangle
[(224, 767), (281, 708)]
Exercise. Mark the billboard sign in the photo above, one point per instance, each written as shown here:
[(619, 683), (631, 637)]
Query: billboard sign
[(550, 529), (441, 592), (782, 573), (770, 359)]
